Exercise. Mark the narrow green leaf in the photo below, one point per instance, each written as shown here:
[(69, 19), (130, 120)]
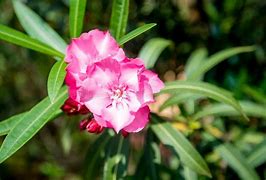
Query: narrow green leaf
[(76, 17), (135, 33), (18, 38), (179, 98), (189, 174), (257, 156), (195, 61), (189, 156), (56, 79), (204, 89), (119, 18), (152, 49), (7, 124), (255, 94), (236, 160), (249, 108), (217, 58), (30, 124), (37, 28)]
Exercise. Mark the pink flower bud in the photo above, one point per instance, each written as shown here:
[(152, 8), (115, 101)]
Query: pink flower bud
[(124, 133), (72, 107), (83, 124), (94, 127)]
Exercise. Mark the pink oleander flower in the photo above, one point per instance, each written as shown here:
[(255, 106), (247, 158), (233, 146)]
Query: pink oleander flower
[(82, 52), (116, 89)]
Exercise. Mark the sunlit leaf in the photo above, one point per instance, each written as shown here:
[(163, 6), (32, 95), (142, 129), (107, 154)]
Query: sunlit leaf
[(119, 18), (135, 33), (37, 28), (195, 61), (56, 79), (172, 137), (76, 16), (30, 124), (257, 156), (204, 89), (236, 160), (152, 49), (7, 124), (189, 174), (18, 38), (217, 58), (179, 98), (249, 108)]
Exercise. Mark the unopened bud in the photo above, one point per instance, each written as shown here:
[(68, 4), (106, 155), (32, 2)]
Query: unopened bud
[(124, 133), (71, 107), (83, 124), (94, 127)]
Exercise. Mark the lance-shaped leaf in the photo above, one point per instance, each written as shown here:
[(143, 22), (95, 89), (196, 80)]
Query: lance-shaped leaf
[(21, 39), (56, 79), (237, 161), (7, 124), (30, 124), (257, 156), (131, 35), (76, 17), (217, 58), (172, 137), (119, 18), (179, 98), (151, 51), (249, 108), (189, 174), (195, 61), (37, 28), (205, 89)]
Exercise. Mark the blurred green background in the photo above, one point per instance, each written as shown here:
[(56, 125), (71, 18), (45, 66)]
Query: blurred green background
[(59, 149)]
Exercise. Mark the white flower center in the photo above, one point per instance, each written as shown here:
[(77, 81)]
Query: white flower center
[(118, 93)]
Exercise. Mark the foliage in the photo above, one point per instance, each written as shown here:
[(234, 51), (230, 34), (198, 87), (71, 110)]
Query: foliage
[(201, 139)]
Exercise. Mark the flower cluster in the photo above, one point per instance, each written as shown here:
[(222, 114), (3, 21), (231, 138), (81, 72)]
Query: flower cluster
[(103, 80)]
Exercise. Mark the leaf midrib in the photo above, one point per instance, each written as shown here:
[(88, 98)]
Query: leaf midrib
[(56, 78)]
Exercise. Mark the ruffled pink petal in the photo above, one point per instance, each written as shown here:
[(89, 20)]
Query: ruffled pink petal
[(140, 121), (145, 94), (105, 72), (104, 43), (155, 83), (118, 116), (100, 120), (94, 98), (120, 55), (130, 75), (133, 101)]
